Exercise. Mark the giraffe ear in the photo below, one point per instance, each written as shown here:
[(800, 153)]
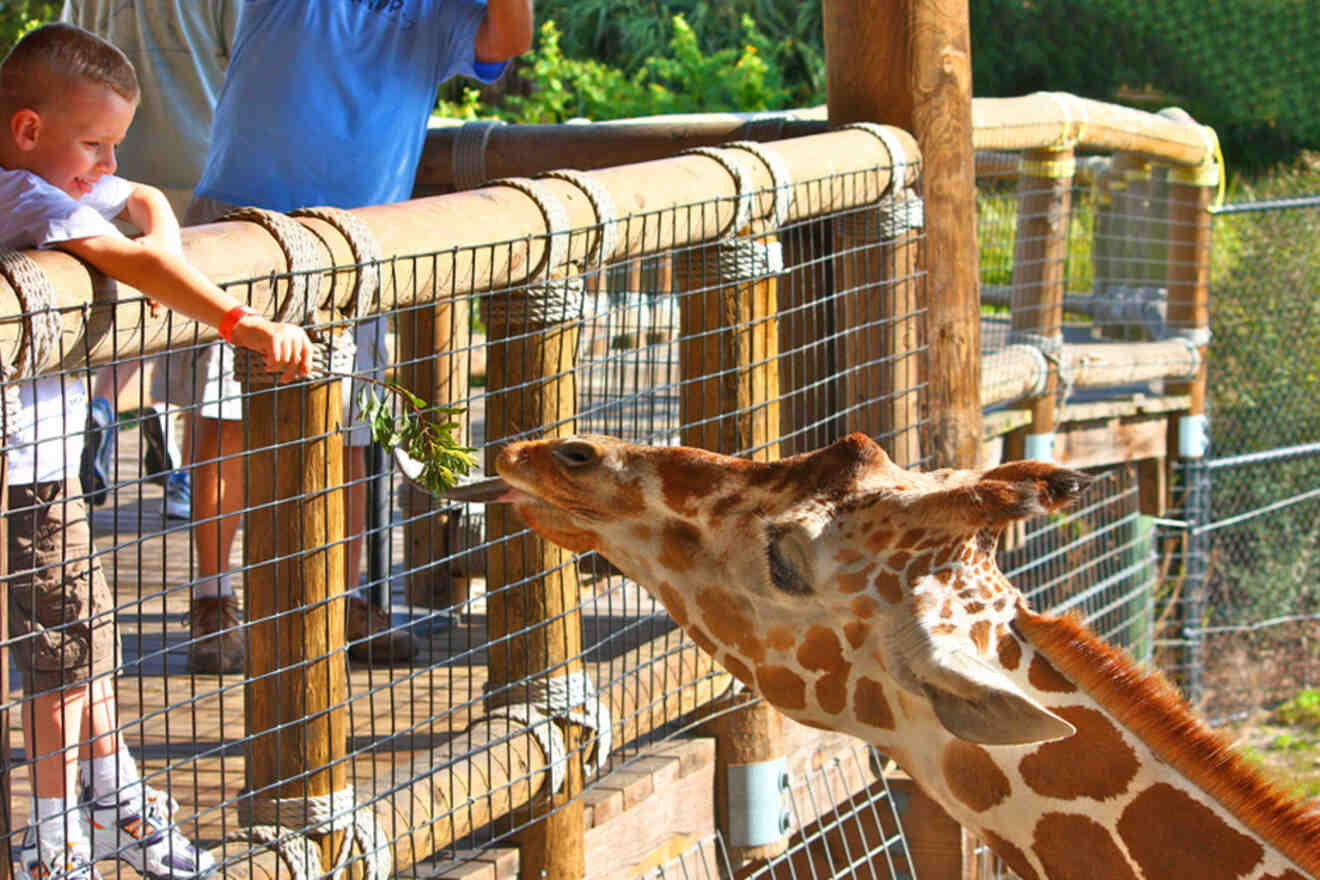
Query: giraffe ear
[(1010, 492), (976, 702)]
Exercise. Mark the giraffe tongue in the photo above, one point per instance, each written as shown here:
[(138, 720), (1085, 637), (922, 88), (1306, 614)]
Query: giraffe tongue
[(491, 490)]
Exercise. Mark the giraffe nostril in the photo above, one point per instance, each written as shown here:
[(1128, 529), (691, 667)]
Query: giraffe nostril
[(575, 453)]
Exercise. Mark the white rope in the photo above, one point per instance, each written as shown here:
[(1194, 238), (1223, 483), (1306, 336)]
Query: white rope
[(780, 179), (41, 328), (468, 153), (536, 703), (602, 203), (556, 222), (742, 214), (898, 160), (365, 250), (1050, 348), (283, 824)]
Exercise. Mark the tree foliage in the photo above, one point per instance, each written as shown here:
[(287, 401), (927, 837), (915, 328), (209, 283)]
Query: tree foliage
[(17, 17)]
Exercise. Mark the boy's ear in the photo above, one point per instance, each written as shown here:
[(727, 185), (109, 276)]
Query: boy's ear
[(25, 128)]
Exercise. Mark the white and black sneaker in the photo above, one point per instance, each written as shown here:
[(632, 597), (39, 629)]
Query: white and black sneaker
[(34, 862), (143, 834)]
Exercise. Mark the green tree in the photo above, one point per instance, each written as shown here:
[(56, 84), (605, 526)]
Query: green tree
[(17, 17)]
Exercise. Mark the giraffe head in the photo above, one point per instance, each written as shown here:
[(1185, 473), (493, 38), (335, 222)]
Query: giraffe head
[(824, 581)]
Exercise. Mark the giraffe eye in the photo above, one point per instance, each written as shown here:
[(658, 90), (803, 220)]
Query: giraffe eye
[(575, 454)]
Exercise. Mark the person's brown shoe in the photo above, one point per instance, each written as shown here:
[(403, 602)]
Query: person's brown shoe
[(217, 644), (372, 636)]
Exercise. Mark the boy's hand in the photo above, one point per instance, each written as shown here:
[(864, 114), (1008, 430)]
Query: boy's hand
[(284, 346)]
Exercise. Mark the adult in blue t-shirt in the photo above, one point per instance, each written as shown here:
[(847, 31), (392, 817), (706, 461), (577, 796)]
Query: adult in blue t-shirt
[(325, 102)]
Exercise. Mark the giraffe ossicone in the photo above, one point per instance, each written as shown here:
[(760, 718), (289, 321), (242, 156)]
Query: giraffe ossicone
[(858, 596)]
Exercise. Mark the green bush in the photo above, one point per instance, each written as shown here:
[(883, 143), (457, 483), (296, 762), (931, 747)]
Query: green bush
[(17, 17)]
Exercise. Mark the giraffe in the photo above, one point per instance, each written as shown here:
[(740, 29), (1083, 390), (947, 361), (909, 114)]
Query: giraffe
[(858, 596)]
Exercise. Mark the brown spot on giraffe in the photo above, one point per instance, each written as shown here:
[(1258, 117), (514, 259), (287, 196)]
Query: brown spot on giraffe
[(863, 606), (732, 620), (1095, 762), (1010, 652), (1043, 676), (980, 634), (738, 669), (854, 581), (944, 629), (820, 650), (642, 533), (1073, 847), (856, 632), (673, 602), (1289, 874), (1157, 824), (1011, 855), (847, 556), (973, 776), (782, 686), (780, 638), (680, 544), (832, 690), (912, 537), (704, 642), (870, 705), (888, 587), (898, 561), (879, 540)]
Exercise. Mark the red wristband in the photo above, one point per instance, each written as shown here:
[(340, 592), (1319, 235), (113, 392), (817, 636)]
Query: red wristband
[(231, 319)]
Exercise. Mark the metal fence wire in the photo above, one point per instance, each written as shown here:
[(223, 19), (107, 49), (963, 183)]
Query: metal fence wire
[(428, 643)]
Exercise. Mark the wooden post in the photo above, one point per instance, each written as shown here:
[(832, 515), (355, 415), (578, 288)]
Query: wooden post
[(879, 318), (751, 735), (532, 597), (297, 690), (1039, 263), (907, 63), (729, 348), (433, 346), (806, 321)]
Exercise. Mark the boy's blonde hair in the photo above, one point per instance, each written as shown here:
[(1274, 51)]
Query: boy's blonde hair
[(47, 58)]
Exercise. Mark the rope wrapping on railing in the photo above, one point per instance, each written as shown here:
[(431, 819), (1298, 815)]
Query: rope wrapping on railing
[(898, 160), (1051, 349), (781, 180), (742, 214), (537, 703), (366, 255), (468, 153), (41, 328), (544, 300), (303, 256), (890, 217), (283, 824), (602, 203)]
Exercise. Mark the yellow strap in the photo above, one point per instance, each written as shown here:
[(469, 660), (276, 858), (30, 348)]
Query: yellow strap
[(1053, 169)]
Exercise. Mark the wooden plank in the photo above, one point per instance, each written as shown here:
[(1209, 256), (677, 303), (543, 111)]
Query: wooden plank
[(1110, 441)]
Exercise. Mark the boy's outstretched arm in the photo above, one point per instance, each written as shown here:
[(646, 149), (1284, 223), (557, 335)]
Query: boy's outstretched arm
[(149, 210), (178, 284), (506, 31)]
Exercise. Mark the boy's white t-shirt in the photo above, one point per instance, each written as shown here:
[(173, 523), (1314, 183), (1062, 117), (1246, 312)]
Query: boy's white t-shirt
[(47, 441)]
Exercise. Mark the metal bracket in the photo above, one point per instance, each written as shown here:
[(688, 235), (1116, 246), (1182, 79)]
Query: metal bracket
[(757, 815)]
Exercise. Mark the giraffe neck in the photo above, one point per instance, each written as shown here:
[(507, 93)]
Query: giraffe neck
[(1143, 790)]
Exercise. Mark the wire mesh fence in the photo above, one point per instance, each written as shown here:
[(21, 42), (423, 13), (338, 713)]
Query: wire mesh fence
[(409, 651)]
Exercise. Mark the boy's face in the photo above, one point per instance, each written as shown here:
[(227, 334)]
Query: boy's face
[(72, 143)]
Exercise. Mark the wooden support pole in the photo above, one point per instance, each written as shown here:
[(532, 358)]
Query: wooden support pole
[(879, 319), (1039, 263), (807, 414), (6, 790), (433, 349), (532, 597), (907, 63), (297, 690), (751, 735), (729, 347)]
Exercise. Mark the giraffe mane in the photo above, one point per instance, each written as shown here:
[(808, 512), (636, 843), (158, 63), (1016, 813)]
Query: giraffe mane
[(1149, 706)]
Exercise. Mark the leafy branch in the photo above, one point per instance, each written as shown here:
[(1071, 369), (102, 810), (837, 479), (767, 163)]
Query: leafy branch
[(432, 443)]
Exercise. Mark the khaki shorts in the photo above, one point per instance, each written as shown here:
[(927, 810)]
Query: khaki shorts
[(61, 611)]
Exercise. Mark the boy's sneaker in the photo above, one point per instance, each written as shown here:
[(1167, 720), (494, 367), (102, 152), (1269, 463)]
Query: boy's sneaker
[(48, 863), (98, 451), (178, 496), (158, 463), (142, 834)]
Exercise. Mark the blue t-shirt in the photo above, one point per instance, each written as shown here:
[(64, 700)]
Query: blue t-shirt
[(326, 101)]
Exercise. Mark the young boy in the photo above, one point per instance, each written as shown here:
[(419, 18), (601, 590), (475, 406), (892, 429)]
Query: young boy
[(66, 100)]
